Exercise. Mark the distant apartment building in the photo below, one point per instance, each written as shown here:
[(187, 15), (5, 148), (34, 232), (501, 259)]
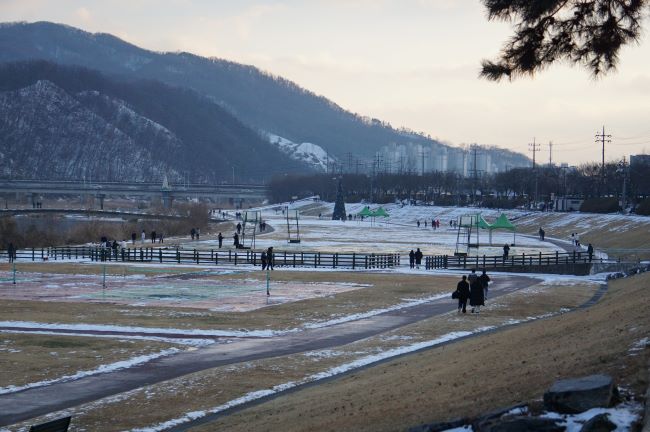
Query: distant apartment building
[(643, 159), (423, 158)]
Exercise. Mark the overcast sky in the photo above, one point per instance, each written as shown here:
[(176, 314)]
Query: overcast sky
[(413, 63)]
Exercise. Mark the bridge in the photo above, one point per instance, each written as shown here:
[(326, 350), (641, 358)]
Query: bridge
[(236, 194)]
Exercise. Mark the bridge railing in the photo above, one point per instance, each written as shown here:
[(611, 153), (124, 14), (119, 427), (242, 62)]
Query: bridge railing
[(214, 257), (499, 261)]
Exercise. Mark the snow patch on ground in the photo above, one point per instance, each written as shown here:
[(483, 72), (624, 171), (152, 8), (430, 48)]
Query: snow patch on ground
[(623, 416), (111, 367)]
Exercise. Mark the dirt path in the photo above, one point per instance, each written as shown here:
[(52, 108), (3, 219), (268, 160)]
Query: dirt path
[(15, 407)]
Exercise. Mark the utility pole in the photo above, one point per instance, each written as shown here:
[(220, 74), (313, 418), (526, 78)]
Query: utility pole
[(602, 138), (550, 153), (534, 147)]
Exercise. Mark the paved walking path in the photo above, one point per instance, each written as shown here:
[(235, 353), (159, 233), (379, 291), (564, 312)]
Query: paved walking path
[(30, 403)]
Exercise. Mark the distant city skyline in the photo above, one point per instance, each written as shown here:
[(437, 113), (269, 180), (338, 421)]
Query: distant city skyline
[(413, 63)]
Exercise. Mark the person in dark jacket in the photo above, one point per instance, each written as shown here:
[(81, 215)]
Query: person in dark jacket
[(590, 251), (412, 259), (506, 251), (264, 260), (235, 240), (463, 294), (269, 257), (484, 279), (418, 257), (220, 238), (11, 252), (476, 299)]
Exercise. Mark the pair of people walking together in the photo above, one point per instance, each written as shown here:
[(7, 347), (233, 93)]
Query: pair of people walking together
[(473, 288)]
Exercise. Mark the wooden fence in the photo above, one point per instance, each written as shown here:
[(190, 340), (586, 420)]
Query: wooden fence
[(499, 261), (214, 257)]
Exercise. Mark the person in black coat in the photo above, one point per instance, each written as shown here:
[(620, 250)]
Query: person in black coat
[(476, 299), (220, 238), (485, 281), (412, 259), (418, 257), (463, 294)]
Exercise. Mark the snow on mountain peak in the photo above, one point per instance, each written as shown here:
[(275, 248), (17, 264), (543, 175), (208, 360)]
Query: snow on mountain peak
[(309, 153)]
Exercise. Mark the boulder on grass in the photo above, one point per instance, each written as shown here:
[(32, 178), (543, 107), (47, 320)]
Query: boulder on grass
[(599, 423), (518, 424), (572, 396)]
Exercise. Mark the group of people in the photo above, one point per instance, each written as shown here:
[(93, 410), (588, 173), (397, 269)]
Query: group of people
[(473, 288), (435, 223), (267, 259), (195, 233), (415, 258), (155, 236)]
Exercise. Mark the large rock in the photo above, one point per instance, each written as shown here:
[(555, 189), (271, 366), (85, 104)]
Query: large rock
[(518, 424), (573, 396), (599, 423), (440, 426)]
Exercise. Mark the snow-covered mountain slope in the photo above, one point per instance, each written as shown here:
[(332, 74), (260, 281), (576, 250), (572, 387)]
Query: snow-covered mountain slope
[(45, 130), (309, 153)]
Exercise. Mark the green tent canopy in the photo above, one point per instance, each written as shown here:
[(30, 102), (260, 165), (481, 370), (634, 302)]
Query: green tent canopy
[(502, 222), (380, 212), (365, 212), (482, 223)]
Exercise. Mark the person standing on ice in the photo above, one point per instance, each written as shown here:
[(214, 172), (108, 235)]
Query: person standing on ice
[(463, 294), (418, 222), (541, 233), (412, 259), (220, 238), (418, 258)]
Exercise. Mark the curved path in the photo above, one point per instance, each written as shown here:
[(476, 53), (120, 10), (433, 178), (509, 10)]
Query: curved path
[(30, 403)]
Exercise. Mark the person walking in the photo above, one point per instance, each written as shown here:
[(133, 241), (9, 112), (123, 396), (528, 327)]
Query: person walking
[(133, 235), (412, 259), (198, 233), (11, 252), (418, 222), (236, 240), (153, 236), (193, 233), (238, 227), (269, 257), (541, 233), (161, 238), (473, 277), (476, 299), (590, 251), (264, 259), (463, 294), (506, 251), (143, 236), (220, 238), (418, 257), (484, 279)]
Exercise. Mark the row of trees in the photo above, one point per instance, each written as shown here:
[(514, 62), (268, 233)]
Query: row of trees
[(515, 187)]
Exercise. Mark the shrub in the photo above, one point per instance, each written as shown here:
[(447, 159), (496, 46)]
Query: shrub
[(600, 205)]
